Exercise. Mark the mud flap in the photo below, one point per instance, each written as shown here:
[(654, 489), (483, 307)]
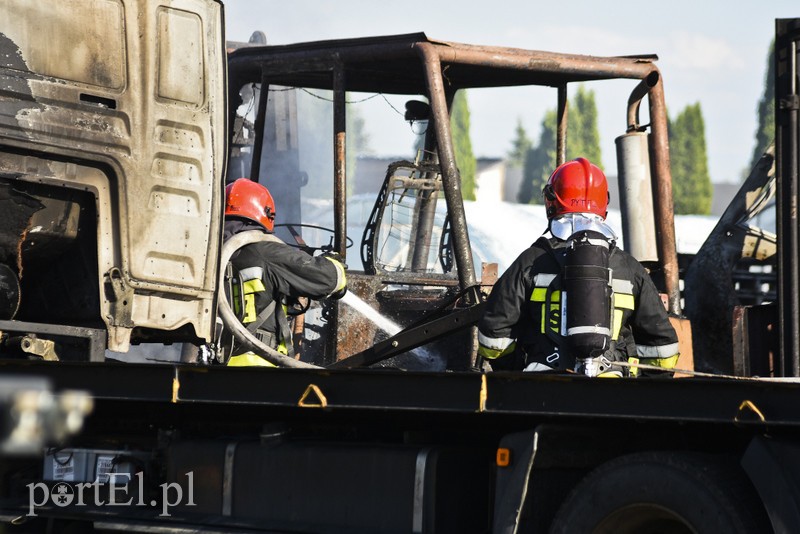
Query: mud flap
[(773, 468), (511, 484)]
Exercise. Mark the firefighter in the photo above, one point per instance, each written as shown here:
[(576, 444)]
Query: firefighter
[(268, 277), (523, 328)]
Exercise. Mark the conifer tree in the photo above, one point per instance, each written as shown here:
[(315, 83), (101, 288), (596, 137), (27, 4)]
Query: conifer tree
[(583, 135), (583, 140), (462, 144), (691, 182), (519, 146), (539, 162)]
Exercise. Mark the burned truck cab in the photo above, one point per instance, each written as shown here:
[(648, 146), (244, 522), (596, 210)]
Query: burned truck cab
[(111, 151)]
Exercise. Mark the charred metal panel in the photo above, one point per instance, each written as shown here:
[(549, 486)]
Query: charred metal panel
[(392, 300), (80, 41), (16, 211), (755, 346), (709, 290), (134, 87), (53, 247)]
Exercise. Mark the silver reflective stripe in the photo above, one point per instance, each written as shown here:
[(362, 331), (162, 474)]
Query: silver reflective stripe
[(227, 479), (543, 279), (588, 330), (419, 491), (496, 343), (598, 242), (251, 273), (622, 286), (662, 351)]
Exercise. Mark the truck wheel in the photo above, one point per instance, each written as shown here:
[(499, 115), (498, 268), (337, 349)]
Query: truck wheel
[(663, 492)]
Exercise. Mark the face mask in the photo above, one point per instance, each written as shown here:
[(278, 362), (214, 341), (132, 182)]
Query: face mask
[(564, 226)]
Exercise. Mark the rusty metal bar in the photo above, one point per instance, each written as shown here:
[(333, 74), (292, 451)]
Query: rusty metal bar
[(339, 199), (561, 129), (339, 161), (451, 180), (261, 117), (566, 65), (569, 65), (426, 204), (635, 100), (662, 195), (427, 209)]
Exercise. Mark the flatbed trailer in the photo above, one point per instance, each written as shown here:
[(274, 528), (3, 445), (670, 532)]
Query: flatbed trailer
[(471, 452)]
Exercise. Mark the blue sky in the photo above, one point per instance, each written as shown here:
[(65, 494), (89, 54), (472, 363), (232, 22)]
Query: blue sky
[(711, 52)]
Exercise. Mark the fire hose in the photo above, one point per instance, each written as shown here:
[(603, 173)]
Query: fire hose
[(680, 371)]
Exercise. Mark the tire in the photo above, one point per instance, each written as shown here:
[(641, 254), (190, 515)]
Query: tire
[(660, 493)]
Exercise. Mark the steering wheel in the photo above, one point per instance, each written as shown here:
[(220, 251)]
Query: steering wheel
[(294, 230)]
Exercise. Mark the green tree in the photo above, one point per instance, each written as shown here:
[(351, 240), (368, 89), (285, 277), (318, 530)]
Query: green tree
[(539, 162), (583, 140), (691, 183), (765, 132), (519, 146), (462, 144), (583, 134)]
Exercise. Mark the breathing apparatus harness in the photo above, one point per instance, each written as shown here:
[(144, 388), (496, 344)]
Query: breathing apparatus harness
[(587, 299)]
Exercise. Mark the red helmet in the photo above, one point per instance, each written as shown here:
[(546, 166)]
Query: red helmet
[(576, 186), (250, 200)]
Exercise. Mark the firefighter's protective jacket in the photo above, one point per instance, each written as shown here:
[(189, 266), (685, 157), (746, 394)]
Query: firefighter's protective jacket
[(268, 272), (522, 321)]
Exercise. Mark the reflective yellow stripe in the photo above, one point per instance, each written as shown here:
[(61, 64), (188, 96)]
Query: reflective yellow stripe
[(249, 359), (251, 287), (617, 324), (633, 371), (543, 314), (624, 301), (664, 363), (488, 353), (610, 374), (539, 294), (493, 354), (341, 274), (249, 308), (235, 299)]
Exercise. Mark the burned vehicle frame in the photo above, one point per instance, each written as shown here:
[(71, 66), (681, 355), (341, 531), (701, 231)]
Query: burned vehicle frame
[(419, 67)]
